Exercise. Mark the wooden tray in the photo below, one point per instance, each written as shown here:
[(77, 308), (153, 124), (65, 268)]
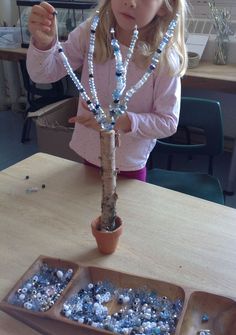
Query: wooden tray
[(221, 310)]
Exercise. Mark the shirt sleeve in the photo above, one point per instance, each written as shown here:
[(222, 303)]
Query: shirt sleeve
[(47, 67), (162, 120)]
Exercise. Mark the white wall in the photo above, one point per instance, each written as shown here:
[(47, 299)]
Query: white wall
[(8, 12)]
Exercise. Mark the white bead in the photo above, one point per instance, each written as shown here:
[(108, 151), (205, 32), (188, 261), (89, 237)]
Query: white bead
[(126, 299), (68, 313), (59, 274), (28, 305), (22, 296)]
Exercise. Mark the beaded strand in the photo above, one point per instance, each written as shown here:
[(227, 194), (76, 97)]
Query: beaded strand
[(121, 71), (90, 66), (98, 113), (152, 66)]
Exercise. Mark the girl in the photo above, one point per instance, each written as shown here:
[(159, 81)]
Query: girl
[(153, 112)]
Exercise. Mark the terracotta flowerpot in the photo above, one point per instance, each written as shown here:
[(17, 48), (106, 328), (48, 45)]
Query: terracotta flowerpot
[(106, 240)]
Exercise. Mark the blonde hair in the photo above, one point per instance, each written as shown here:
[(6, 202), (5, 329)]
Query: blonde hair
[(149, 39)]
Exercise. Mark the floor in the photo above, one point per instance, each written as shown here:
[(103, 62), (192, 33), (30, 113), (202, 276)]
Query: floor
[(11, 148), (12, 151)]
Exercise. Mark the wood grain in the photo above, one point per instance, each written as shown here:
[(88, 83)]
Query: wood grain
[(13, 55), (167, 235)]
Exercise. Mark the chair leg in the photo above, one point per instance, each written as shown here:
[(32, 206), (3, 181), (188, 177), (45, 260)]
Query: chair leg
[(188, 139), (210, 166), (169, 162), (26, 130), (149, 164)]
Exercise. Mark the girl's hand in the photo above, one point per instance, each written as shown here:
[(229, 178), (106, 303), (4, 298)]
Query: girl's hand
[(86, 120), (42, 25), (123, 123)]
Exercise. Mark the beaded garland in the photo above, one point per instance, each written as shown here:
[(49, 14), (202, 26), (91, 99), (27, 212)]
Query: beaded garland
[(40, 292), (99, 112), (139, 311), (121, 72), (118, 107)]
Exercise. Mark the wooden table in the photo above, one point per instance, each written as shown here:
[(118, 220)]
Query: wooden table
[(168, 236), (209, 76), (10, 71), (13, 55)]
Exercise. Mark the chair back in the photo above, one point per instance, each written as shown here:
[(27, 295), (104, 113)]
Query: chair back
[(39, 96), (198, 116), (202, 115)]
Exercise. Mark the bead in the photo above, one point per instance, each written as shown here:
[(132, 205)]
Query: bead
[(60, 274), (28, 305), (22, 296), (205, 317), (32, 190)]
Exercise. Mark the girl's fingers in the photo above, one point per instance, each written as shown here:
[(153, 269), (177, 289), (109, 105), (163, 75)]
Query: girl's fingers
[(35, 19), (49, 8), (73, 119), (39, 11), (42, 15), (42, 25), (87, 121), (36, 28), (85, 106), (80, 119)]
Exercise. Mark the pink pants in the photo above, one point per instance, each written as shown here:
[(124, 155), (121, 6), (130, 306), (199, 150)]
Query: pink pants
[(138, 174)]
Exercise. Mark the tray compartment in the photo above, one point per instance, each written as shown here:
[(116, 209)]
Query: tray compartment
[(220, 310), (7, 302), (93, 275)]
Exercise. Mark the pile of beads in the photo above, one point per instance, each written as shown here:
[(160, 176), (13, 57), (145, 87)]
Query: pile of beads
[(40, 292), (138, 311)]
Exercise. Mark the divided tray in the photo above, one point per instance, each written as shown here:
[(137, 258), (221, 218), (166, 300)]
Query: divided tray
[(220, 310)]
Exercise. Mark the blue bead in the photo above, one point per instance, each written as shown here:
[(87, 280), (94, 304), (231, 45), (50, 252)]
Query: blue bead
[(205, 317)]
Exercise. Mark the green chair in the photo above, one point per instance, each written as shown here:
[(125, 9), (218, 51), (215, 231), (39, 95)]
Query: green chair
[(201, 117)]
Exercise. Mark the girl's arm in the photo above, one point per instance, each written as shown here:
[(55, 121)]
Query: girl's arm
[(45, 66), (162, 120)]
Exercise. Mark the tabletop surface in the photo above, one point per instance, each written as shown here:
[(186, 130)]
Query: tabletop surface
[(208, 70), (13, 54), (167, 235)]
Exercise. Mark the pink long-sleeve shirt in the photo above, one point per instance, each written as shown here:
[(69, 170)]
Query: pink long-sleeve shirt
[(153, 110)]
